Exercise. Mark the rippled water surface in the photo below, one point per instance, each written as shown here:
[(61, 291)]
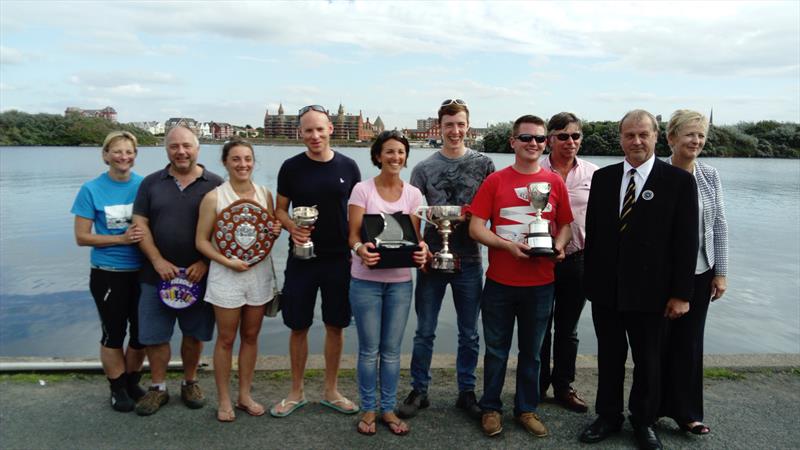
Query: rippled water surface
[(46, 309)]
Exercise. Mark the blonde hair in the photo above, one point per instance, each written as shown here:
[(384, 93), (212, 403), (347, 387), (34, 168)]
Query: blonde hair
[(683, 117), (116, 136)]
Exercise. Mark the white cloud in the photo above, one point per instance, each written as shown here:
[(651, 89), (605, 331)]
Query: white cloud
[(257, 59), (10, 55)]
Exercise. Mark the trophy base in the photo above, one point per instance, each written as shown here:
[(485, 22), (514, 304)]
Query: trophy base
[(446, 264), (540, 251), (301, 252)]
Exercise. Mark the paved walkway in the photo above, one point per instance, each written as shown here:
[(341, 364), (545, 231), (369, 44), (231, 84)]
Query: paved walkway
[(753, 405)]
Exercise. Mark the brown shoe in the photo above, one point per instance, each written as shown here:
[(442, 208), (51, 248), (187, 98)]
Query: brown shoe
[(569, 399), (492, 423), (531, 422), (192, 395), (152, 401)]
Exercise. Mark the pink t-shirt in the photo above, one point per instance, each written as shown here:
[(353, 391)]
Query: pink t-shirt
[(365, 195)]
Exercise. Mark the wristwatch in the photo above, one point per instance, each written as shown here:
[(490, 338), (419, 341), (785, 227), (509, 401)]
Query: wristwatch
[(356, 246)]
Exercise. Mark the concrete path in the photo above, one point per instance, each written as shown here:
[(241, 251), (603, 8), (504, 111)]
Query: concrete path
[(755, 404)]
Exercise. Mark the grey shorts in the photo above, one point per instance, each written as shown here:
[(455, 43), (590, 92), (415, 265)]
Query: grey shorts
[(157, 320)]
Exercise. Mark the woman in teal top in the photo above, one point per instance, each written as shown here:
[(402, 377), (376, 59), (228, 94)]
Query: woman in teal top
[(106, 203)]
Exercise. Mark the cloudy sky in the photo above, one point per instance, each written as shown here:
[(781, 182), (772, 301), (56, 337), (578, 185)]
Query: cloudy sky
[(231, 61)]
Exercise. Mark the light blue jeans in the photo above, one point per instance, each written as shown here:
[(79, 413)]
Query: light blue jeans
[(381, 312)]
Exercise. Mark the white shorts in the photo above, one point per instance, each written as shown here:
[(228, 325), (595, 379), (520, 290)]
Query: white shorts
[(228, 288)]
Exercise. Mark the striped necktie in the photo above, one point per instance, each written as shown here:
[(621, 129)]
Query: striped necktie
[(628, 201)]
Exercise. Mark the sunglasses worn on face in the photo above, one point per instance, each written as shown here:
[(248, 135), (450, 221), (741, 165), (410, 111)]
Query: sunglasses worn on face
[(308, 108), (457, 101), (539, 138), (565, 136)]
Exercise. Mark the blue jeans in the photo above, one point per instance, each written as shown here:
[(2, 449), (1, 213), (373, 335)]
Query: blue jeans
[(431, 286), (381, 312), (531, 307)]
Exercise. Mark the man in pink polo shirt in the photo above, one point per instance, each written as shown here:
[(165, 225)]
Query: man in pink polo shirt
[(564, 139)]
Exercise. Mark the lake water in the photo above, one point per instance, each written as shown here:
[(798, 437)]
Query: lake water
[(46, 308)]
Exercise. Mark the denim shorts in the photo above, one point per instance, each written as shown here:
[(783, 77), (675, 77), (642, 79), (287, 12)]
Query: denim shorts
[(157, 320)]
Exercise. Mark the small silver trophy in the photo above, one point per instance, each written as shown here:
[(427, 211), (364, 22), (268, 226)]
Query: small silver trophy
[(304, 216), (538, 237), (444, 218)]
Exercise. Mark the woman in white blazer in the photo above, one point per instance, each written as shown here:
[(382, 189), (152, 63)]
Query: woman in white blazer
[(682, 396)]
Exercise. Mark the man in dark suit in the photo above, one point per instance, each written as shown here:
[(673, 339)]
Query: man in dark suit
[(640, 256)]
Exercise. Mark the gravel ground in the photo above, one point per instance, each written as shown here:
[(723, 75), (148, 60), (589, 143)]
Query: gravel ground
[(746, 408)]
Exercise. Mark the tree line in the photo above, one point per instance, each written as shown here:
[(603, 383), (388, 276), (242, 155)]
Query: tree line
[(20, 128), (764, 139)]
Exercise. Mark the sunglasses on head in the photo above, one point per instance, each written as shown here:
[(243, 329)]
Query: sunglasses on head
[(308, 108), (391, 134), (565, 136), (457, 101), (539, 138)]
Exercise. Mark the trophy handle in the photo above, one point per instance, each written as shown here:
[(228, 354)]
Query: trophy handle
[(422, 210)]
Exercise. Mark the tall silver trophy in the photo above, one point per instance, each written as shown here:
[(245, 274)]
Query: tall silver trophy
[(444, 218), (538, 237), (304, 216)]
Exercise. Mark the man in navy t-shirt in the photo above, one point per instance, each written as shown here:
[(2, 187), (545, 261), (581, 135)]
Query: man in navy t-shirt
[(322, 178)]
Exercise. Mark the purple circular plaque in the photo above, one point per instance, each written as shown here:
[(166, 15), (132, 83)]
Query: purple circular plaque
[(179, 292)]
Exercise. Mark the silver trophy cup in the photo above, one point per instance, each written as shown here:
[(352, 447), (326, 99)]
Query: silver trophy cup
[(444, 218), (304, 216), (538, 237)]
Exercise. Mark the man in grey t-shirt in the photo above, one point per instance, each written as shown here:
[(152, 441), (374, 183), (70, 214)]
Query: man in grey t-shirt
[(451, 176)]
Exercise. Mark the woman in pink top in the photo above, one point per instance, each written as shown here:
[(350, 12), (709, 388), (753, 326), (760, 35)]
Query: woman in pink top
[(381, 298)]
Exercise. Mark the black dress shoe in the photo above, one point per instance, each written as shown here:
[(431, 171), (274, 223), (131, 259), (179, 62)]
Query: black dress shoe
[(599, 430), (415, 401), (646, 438), (468, 402)]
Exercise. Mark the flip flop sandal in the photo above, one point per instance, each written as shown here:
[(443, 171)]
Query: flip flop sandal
[(338, 403), (254, 410), (391, 424), (226, 416), (368, 425), (293, 406)]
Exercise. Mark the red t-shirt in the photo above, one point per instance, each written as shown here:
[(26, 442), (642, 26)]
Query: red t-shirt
[(503, 200)]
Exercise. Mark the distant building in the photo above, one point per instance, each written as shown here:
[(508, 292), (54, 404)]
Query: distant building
[(435, 132), (346, 127), (221, 130), (107, 113), (204, 130), (153, 127), (426, 124), (187, 122)]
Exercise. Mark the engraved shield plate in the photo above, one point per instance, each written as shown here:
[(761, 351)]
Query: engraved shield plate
[(243, 231)]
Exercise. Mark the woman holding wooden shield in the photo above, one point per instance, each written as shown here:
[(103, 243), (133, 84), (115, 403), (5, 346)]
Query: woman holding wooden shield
[(235, 230)]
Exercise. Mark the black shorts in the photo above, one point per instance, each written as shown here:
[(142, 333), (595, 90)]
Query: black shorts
[(330, 275), (116, 295)]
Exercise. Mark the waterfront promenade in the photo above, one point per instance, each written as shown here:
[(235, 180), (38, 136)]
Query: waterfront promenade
[(752, 401)]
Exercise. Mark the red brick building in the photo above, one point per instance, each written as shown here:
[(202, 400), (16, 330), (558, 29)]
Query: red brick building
[(221, 130), (346, 127), (107, 113)]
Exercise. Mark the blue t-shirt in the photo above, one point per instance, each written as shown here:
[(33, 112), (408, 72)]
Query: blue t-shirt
[(306, 182), (109, 204)]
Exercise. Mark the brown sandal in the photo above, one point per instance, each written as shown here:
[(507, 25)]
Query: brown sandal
[(368, 425), (396, 426), (226, 416)]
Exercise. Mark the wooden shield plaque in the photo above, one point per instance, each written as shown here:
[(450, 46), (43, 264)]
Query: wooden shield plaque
[(244, 231)]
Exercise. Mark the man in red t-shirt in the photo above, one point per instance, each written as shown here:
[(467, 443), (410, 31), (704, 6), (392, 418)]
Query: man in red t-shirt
[(517, 286)]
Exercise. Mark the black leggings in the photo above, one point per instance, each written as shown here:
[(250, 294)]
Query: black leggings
[(116, 295)]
